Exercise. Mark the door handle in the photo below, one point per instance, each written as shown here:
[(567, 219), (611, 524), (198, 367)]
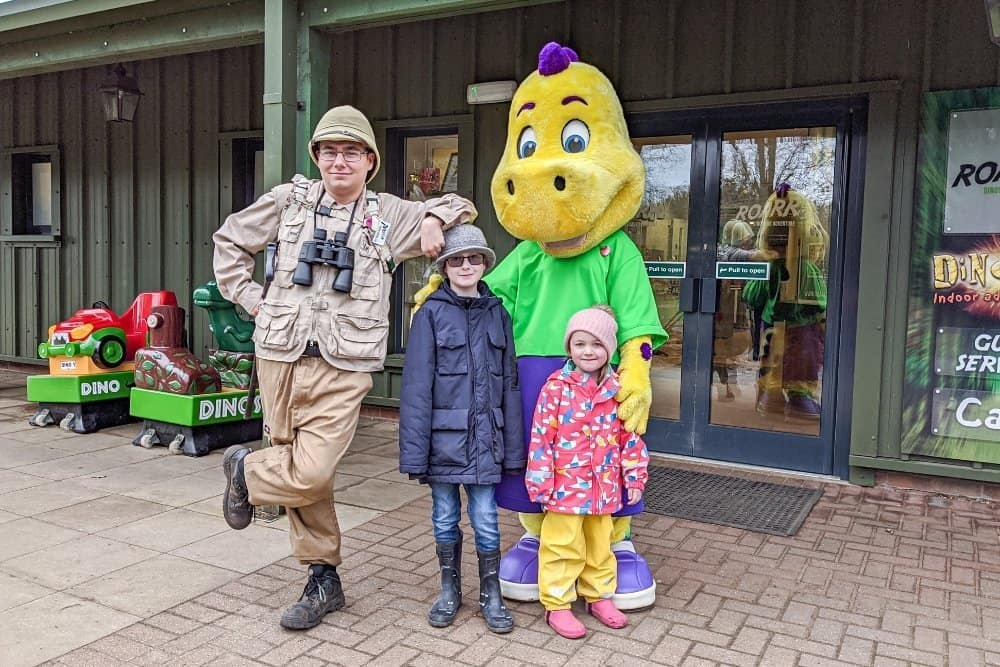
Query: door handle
[(709, 302), (689, 295)]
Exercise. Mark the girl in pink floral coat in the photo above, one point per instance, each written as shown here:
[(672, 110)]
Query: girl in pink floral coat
[(579, 459)]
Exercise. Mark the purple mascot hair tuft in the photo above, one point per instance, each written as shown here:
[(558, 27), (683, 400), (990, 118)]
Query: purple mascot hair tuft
[(783, 189), (553, 58)]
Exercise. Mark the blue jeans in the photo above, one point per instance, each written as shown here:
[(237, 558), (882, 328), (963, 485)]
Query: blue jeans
[(447, 510)]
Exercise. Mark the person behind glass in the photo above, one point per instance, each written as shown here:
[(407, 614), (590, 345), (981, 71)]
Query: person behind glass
[(581, 461), (321, 330), (460, 418)]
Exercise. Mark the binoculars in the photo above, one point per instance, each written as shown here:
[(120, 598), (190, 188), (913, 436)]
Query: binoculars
[(333, 253)]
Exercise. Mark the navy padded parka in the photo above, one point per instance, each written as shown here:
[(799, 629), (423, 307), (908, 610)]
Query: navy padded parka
[(460, 410)]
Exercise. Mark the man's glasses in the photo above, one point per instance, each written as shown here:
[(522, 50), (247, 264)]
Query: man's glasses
[(459, 260), (350, 154)]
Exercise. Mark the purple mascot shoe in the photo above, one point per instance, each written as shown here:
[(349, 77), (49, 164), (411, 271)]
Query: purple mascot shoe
[(519, 570), (636, 586)]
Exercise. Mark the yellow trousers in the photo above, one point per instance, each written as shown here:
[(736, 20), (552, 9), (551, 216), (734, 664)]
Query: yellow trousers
[(574, 555)]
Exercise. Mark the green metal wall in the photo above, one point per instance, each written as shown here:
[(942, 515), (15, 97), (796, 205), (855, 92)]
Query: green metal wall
[(139, 200), (671, 54)]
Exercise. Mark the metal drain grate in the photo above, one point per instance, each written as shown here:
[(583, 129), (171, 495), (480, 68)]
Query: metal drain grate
[(762, 507)]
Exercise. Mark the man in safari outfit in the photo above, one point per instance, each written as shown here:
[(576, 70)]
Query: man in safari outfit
[(322, 326)]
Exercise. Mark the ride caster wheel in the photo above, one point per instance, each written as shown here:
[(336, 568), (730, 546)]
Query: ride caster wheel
[(67, 422), (42, 418), (176, 445), (148, 439)]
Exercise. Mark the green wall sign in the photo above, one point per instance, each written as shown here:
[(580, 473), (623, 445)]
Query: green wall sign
[(666, 269), (743, 270)]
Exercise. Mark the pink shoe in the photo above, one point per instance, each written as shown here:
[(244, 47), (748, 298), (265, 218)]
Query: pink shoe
[(607, 613), (565, 623)]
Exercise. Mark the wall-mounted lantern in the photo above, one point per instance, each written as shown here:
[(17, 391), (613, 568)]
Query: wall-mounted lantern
[(120, 96), (993, 20)]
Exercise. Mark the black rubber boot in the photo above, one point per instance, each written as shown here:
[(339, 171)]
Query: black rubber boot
[(236, 507), (498, 618), (322, 595), (445, 608)]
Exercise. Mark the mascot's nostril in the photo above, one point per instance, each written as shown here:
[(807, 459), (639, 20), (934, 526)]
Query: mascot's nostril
[(560, 183), (510, 186)]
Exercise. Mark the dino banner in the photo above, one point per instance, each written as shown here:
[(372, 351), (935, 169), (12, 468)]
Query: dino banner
[(952, 381)]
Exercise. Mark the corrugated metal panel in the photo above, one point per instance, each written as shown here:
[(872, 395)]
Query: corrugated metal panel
[(139, 201)]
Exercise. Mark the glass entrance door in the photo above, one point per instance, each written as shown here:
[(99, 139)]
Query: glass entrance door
[(742, 229)]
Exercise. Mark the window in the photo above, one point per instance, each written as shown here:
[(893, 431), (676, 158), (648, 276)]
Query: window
[(248, 171), (30, 209), (421, 161)]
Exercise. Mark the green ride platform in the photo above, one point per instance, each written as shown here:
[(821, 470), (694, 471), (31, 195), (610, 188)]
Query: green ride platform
[(194, 425), (81, 403)]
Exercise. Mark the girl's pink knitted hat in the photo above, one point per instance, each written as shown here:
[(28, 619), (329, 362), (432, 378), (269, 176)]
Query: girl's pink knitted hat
[(599, 322)]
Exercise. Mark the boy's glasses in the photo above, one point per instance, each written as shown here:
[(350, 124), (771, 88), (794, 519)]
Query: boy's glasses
[(350, 155), (459, 260)]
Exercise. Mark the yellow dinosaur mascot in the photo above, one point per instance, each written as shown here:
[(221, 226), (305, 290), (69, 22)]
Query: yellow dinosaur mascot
[(568, 181)]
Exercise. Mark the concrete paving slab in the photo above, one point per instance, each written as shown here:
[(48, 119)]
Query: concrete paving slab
[(137, 475), (244, 550), (40, 434), (349, 516), (341, 481), (389, 450), (89, 442), (102, 513), (75, 562), (153, 585), (84, 463), (365, 443), (9, 516), (169, 530), (365, 465), (6, 402), (380, 494), (14, 480), (16, 591), (14, 454), (181, 491), (47, 497), (210, 506), (50, 626), (11, 426)]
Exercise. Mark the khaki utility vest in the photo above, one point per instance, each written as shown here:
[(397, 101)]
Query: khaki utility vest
[(351, 329)]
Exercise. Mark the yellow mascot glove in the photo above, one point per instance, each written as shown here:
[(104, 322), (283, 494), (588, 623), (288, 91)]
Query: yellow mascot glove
[(636, 395), (418, 299)]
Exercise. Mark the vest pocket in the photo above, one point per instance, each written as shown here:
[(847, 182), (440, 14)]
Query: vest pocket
[(276, 325), (498, 443), (367, 284), (449, 437), (360, 337)]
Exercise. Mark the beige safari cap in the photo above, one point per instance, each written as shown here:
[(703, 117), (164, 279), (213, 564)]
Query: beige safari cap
[(345, 123)]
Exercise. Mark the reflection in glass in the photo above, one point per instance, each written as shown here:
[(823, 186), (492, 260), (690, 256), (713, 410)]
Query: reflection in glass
[(432, 170), (769, 335), (660, 229)]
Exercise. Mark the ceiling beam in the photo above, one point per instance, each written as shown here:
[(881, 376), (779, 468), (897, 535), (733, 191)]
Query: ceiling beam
[(234, 24)]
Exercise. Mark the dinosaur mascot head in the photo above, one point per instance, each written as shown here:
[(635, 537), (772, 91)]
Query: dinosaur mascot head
[(569, 176)]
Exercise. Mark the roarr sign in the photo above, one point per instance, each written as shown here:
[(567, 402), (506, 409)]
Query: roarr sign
[(973, 186)]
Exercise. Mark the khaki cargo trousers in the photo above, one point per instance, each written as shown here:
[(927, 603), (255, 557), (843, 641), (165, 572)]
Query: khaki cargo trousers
[(311, 410)]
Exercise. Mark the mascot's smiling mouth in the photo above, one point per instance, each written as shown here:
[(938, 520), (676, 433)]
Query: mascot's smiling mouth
[(566, 244)]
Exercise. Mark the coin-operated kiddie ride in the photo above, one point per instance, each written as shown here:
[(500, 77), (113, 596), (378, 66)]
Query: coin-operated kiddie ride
[(191, 406), (90, 365)]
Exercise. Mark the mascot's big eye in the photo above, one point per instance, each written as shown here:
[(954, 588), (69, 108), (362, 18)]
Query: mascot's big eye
[(575, 136), (527, 143)]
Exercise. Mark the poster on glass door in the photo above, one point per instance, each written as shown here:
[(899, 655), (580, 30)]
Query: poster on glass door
[(952, 377)]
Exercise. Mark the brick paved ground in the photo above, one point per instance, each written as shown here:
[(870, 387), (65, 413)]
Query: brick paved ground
[(875, 577)]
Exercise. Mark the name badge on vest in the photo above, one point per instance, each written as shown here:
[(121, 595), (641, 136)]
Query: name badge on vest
[(380, 231)]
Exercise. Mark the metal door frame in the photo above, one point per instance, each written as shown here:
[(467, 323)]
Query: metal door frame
[(692, 434)]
